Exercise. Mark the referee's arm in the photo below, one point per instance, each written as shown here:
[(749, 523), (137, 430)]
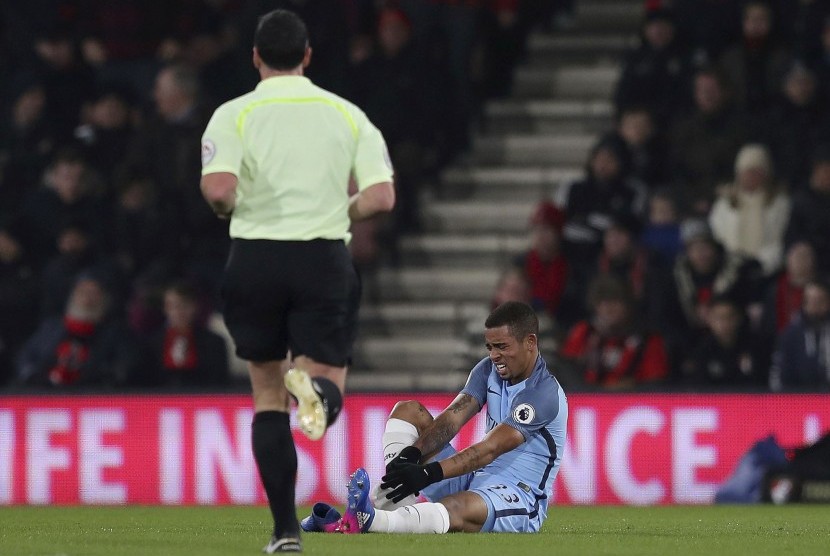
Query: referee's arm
[(219, 190), (373, 200)]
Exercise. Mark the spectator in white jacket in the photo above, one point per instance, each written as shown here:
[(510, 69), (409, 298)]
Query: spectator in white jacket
[(750, 215)]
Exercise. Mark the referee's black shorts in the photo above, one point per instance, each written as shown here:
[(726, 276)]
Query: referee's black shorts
[(301, 296)]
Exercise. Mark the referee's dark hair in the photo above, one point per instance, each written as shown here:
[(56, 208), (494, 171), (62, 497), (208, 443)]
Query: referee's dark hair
[(281, 39), (519, 317)]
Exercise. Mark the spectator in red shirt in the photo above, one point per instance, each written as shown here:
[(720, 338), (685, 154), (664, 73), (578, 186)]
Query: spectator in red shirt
[(184, 352), (545, 266), (87, 346), (610, 349), (785, 294)]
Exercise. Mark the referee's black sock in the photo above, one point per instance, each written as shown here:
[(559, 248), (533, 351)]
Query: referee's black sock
[(276, 458), (331, 396)]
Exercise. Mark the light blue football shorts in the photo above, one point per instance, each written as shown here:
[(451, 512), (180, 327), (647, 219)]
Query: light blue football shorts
[(511, 507)]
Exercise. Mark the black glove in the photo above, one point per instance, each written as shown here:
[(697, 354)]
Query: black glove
[(410, 478), (408, 455)]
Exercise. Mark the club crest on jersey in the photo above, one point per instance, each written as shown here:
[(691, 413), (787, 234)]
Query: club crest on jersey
[(208, 151), (524, 413)]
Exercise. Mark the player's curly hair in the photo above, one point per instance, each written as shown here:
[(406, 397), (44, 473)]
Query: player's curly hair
[(519, 317), (281, 38)]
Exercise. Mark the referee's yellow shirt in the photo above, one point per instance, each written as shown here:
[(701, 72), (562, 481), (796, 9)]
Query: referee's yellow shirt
[(293, 147)]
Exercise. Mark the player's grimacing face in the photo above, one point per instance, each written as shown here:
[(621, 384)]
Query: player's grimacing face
[(514, 359)]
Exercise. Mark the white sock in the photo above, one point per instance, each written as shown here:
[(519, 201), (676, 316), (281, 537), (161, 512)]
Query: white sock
[(426, 517), (397, 435)]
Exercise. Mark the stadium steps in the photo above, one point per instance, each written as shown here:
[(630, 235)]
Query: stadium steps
[(474, 217), (421, 328), (520, 183), (439, 318), (408, 379), (548, 116), (607, 15), (462, 250), (535, 149), (448, 283), (584, 48), (571, 83)]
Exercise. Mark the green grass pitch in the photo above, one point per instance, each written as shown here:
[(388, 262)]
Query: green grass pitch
[(673, 531)]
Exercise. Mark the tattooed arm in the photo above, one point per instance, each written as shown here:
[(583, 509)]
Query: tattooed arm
[(498, 441), (446, 425)]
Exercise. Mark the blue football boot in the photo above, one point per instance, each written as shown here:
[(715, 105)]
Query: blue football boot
[(323, 519), (359, 510)]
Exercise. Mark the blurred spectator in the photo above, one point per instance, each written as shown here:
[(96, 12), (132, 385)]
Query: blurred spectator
[(143, 233), (726, 356), (656, 74), (445, 33), (704, 144), (785, 294), (6, 367), (702, 271), (545, 267), (798, 120), (589, 203), (504, 34), (164, 151), (27, 139), (67, 80), (646, 146), (184, 353), (105, 130), (750, 215), (68, 194), (23, 22), (84, 347), (624, 258), (820, 60), (756, 64), (661, 233), (76, 252), (18, 305), (513, 285), (120, 39), (388, 87), (204, 34), (708, 25), (802, 357), (612, 350), (809, 219), (328, 32), (811, 28)]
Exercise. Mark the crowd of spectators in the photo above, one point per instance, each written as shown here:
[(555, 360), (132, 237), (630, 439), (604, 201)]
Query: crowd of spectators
[(694, 253), (109, 258)]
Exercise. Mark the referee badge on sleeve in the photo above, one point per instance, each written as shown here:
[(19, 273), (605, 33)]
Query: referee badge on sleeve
[(208, 151), (524, 413)]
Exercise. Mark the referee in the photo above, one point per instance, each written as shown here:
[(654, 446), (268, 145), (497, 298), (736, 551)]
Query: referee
[(277, 161)]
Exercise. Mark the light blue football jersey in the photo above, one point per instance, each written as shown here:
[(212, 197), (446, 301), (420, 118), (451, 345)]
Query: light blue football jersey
[(537, 408)]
